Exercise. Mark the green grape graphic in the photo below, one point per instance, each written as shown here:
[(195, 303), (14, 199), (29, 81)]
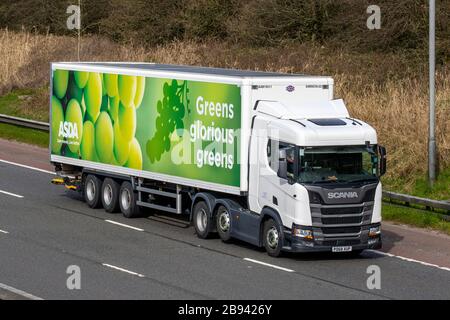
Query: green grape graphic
[(171, 110)]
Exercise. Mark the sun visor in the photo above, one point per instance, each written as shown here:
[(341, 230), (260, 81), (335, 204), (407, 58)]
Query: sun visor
[(304, 109)]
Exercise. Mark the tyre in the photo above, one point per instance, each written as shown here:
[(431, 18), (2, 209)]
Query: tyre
[(223, 223), (202, 220), (127, 201), (91, 191), (273, 238), (110, 195)]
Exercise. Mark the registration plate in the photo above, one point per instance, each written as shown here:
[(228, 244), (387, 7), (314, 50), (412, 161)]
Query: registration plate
[(342, 249)]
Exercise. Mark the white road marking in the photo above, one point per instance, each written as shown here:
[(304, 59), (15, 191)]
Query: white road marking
[(19, 292), (269, 265), (3, 231), (11, 194), (124, 225), (123, 270), (27, 167), (409, 259)]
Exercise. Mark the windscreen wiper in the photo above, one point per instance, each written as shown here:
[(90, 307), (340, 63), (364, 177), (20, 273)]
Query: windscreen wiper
[(362, 180), (328, 181)]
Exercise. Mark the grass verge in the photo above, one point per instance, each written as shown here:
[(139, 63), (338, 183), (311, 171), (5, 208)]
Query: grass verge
[(26, 103), (420, 186), (415, 217), (31, 136)]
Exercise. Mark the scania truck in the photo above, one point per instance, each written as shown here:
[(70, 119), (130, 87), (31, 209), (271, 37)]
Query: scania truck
[(271, 159)]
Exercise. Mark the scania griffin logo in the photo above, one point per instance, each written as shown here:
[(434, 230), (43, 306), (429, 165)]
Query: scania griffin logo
[(290, 88), (345, 195)]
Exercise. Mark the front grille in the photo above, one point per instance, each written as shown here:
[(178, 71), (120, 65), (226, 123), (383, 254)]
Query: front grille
[(335, 225), (342, 220), (343, 210), (340, 230)]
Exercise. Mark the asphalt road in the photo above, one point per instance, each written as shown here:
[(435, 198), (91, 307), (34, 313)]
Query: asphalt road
[(44, 229)]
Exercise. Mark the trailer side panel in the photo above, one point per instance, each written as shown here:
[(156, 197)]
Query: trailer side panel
[(181, 131)]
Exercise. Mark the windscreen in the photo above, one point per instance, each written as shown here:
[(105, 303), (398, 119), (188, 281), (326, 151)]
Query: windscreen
[(337, 164)]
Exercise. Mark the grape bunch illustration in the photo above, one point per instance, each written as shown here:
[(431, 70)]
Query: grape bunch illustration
[(102, 107), (171, 111)]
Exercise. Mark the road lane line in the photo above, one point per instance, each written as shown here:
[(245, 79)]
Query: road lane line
[(19, 292), (124, 225), (3, 231), (123, 270), (408, 259), (11, 194), (25, 166), (269, 265)]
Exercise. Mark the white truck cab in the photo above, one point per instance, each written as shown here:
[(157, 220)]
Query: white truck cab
[(313, 168)]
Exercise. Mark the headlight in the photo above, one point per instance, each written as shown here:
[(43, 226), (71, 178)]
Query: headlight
[(374, 231), (314, 197), (302, 232)]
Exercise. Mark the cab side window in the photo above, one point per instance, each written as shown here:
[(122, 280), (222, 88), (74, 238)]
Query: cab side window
[(290, 159), (273, 153)]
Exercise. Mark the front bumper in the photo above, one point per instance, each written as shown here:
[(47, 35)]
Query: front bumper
[(295, 244)]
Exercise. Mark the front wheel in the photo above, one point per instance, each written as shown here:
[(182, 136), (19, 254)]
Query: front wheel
[(272, 238)]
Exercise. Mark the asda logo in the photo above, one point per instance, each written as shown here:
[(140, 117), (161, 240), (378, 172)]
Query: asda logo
[(68, 130)]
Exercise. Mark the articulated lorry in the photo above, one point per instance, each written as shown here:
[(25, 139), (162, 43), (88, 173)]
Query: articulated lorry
[(271, 159)]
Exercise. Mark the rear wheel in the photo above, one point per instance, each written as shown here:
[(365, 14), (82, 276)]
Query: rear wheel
[(272, 238), (92, 189), (202, 220), (223, 223), (127, 201), (110, 195)]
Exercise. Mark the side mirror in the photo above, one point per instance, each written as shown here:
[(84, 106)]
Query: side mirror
[(282, 164), (382, 155)]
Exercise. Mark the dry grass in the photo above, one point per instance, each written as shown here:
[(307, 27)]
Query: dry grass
[(399, 112), (25, 56), (387, 90)]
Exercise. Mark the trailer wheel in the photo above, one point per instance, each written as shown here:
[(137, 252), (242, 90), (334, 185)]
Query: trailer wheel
[(91, 191), (272, 238), (202, 220), (223, 223), (127, 201), (110, 195)]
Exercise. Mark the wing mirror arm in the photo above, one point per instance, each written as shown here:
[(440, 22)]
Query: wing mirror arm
[(382, 162)]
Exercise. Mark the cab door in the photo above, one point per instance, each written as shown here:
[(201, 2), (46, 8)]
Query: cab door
[(266, 187)]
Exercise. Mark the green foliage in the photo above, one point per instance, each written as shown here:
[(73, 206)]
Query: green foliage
[(171, 111)]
